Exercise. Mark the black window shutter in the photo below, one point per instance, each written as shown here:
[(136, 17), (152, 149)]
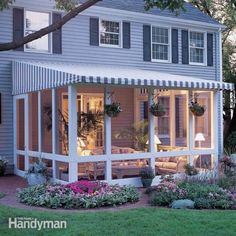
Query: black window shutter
[(94, 31), (210, 49), (175, 47), (126, 34), (146, 42), (185, 47), (56, 35), (18, 26)]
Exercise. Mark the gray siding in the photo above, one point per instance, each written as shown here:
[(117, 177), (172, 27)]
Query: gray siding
[(76, 49)]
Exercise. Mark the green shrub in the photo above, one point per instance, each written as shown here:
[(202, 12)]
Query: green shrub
[(165, 193), (231, 140), (2, 195), (205, 196), (190, 170), (55, 196), (228, 182), (195, 190)]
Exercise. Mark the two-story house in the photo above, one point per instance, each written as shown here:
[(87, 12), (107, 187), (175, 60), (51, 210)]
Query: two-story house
[(54, 91)]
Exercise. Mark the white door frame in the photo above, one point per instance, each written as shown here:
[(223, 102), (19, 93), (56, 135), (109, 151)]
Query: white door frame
[(24, 152)]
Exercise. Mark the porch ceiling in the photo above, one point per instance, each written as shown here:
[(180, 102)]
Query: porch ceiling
[(29, 76)]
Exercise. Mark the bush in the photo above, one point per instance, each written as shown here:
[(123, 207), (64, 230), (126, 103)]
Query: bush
[(165, 193), (81, 194), (205, 196), (190, 170), (231, 140), (228, 182)]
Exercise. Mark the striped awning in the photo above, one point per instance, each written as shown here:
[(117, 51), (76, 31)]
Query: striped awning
[(30, 76)]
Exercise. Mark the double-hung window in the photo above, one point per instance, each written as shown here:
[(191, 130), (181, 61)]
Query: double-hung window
[(35, 21), (197, 47), (110, 33), (160, 44)]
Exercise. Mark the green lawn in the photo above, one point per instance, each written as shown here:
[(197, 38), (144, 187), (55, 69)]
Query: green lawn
[(149, 221)]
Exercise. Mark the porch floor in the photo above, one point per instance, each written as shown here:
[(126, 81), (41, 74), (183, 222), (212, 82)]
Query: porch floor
[(10, 184)]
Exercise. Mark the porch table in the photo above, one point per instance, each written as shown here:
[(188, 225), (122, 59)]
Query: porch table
[(121, 171)]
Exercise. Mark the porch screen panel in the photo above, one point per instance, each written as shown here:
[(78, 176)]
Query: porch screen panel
[(130, 127), (181, 108), (46, 118), (20, 124), (33, 121), (90, 121), (62, 118), (171, 128), (203, 124)]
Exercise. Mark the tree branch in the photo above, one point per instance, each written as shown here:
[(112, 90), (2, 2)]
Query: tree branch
[(51, 28)]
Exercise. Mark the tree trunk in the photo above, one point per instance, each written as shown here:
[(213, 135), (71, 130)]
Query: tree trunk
[(51, 28)]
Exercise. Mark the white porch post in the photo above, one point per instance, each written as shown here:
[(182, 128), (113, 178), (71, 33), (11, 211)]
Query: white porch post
[(39, 123), (191, 130), (54, 132), (107, 101), (26, 124), (73, 170), (216, 128), (151, 127)]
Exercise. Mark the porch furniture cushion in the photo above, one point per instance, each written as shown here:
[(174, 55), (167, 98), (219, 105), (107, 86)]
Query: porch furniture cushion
[(171, 165)]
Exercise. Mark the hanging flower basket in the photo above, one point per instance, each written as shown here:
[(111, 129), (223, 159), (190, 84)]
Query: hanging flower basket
[(157, 109), (113, 109), (196, 108)]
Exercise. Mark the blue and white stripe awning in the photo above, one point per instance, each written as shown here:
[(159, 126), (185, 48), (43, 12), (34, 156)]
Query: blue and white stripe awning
[(34, 76)]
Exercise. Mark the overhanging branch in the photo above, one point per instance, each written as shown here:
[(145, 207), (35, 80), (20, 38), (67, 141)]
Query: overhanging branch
[(51, 28)]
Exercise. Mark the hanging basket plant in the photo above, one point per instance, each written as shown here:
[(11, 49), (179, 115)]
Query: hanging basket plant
[(196, 108), (157, 109), (113, 109)]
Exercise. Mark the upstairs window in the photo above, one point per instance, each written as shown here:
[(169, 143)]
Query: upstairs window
[(160, 44), (197, 48), (35, 21), (110, 33)]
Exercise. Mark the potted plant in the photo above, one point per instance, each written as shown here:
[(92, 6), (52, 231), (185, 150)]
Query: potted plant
[(157, 109), (37, 173), (113, 109), (196, 108), (190, 170), (3, 165), (147, 175)]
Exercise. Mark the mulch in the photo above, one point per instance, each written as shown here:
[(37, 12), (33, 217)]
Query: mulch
[(10, 184)]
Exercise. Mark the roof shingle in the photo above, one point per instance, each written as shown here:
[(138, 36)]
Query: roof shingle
[(191, 13)]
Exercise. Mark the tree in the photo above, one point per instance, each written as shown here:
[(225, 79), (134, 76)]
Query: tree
[(72, 8)]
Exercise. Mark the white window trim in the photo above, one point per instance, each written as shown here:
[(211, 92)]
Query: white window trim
[(169, 44), (49, 35), (204, 49), (120, 34)]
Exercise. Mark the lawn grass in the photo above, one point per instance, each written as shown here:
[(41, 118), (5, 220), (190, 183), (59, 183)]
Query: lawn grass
[(143, 221), (2, 195)]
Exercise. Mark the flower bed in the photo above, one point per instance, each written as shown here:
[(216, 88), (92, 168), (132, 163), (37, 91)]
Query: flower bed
[(81, 194), (205, 196)]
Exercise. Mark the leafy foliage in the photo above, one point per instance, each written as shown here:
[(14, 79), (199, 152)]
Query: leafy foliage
[(205, 196), (157, 109), (172, 5), (231, 140), (138, 133), (147, 173), (81, 194), (37, 168), (113, 109), (190, 170)]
